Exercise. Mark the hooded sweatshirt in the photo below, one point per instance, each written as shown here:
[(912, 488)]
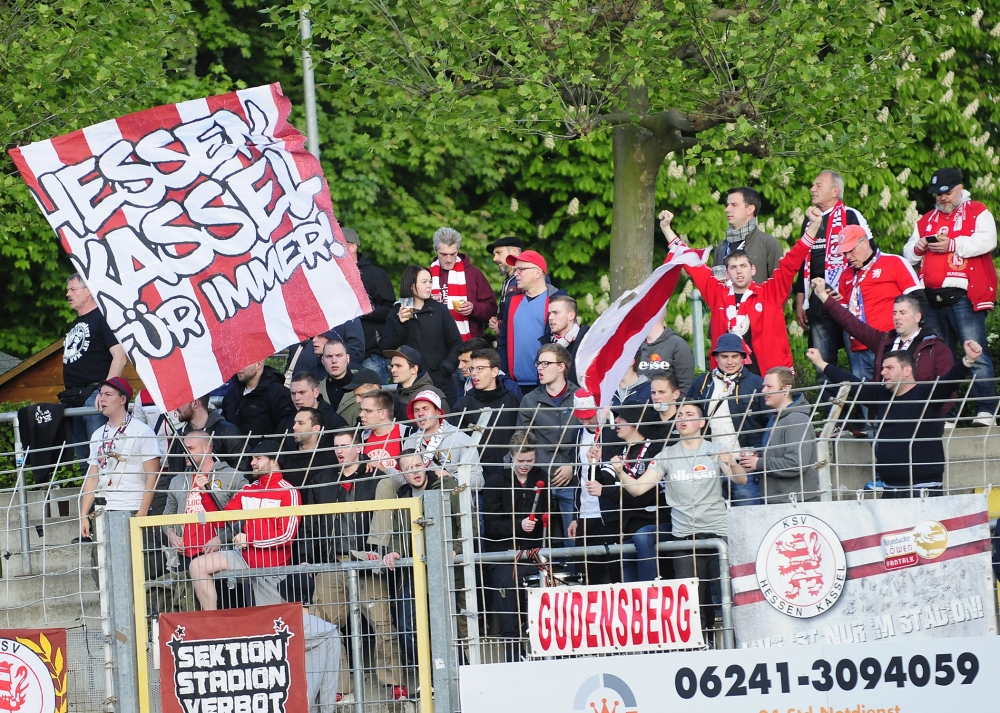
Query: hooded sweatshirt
[(788, 455), (668, 351)]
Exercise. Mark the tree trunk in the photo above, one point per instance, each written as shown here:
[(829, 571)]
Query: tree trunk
[(638, 155)]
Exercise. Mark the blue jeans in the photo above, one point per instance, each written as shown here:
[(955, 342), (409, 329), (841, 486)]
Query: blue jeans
[(862, 366), (83, 429), (565, 500), (377, 363), (862, 363), (824, 335), (647, 558), (747, 494), (955, 325)]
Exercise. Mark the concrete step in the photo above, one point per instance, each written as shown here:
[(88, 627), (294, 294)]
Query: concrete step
[(44, 600), (972, 460), (37, 497)]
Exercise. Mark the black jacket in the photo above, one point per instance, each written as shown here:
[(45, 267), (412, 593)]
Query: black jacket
[(382, 296), (909, 429), (496, 440), (262, 412), (323, 536), (746, 405), (506, 502), (637, 510), (432, 332)]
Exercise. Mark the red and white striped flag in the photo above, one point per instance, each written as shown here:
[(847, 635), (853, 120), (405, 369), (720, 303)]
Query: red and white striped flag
[(609, 347), (204, 231)]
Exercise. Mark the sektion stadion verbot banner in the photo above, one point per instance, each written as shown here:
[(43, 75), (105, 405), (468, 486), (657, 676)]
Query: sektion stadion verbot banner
[(861, 571), (233, 660)]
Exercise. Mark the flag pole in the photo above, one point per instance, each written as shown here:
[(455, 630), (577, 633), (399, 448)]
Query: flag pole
[(308, 85)]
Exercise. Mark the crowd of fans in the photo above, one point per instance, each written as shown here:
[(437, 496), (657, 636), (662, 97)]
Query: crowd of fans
[(394, 404)]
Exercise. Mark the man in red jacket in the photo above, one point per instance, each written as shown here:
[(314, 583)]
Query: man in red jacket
[(754, 312), (954, 245), (868, 285), (264, 542), (934, 358)]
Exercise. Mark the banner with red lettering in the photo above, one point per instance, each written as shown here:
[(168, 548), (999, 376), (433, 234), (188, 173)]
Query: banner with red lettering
[(614, 618), (608, 348), (205, 232), (33, 670), (233, 660)]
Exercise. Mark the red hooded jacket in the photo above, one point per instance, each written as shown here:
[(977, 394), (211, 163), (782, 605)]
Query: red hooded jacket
[(269, 539), (764, 306)]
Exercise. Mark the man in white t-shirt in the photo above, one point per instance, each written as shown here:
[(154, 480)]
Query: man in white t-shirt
[(124, 457)]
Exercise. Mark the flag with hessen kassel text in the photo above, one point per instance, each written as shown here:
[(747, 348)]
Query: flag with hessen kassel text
[(608, 348), (205, 232)]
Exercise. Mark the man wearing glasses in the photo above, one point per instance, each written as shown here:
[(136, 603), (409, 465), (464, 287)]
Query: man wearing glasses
[(869, 284), (526, 321), (547, 413)]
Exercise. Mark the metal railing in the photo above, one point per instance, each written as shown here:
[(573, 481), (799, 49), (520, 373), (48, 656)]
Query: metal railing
[(41, 519)]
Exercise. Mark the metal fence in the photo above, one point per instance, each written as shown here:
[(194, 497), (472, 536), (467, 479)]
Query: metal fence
[(477, 576), (374, 617)]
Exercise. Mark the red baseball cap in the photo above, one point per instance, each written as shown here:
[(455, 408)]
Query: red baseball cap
[(119, 383), (428, 396), (850, 236), (529, 256)]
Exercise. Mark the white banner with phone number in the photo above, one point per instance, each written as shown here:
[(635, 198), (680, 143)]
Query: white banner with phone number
[(890, 677)]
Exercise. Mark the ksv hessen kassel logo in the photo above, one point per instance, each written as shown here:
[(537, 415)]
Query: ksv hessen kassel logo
[(25, 683), (801, 566)]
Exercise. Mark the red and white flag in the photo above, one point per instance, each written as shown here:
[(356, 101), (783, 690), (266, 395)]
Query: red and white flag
[(204, 231), (609, 347)]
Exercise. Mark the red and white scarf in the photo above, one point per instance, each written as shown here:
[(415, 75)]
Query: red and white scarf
[(455, 288), (835, 222), (739, 320)]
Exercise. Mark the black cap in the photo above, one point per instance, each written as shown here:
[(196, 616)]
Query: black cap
[(362, 377), (509, 242), (644, 417), (943, 180), (409, 353), (267, 447), (351, 235)]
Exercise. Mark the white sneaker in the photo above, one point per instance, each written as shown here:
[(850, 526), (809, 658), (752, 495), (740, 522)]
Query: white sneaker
[(950, 423), (983, 418)]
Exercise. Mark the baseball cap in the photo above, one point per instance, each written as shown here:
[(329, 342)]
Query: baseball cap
[(362, 377), (509, 242), (120, 384), (943, 180), (267, 447), (409, 353), (729, 342), (584, 405), (529, 256), (426, 395), (850, 236), (351, 236)]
